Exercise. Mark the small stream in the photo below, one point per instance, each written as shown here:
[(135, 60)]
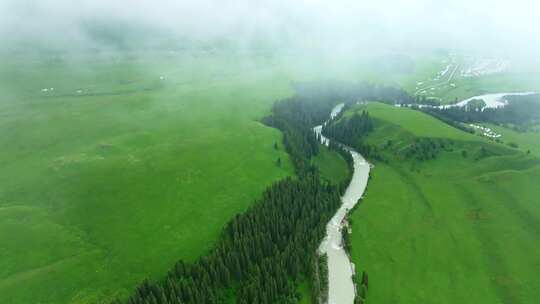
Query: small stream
[(341, 288)]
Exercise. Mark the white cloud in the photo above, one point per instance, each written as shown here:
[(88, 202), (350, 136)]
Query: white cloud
[(460, 23)]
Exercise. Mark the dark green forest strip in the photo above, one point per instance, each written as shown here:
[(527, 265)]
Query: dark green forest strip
[(260, 254), (520, 113), (263, 253)]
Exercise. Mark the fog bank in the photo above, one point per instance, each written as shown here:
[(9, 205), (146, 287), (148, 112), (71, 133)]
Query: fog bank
[(502, 26)]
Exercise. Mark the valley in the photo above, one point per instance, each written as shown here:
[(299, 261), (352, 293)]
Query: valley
[(261, 152)]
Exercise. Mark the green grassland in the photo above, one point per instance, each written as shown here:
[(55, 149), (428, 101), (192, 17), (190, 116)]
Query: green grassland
[(304, 290), (402, 70), (133, 161), (452, 229), (410, 122), (508, 82), (519, 77), (103, 188), (116, 174), (527, 141), (332, 166)]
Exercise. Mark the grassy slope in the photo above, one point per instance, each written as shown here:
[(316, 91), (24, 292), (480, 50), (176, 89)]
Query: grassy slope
[(453, 229), (331, 165), (519, 78), (386, 69), (509, 82), (99, 191), (411, 121), (529, 140), (304, 289)]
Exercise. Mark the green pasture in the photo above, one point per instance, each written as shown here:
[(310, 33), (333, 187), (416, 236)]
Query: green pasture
[(103, 187), (332, 166), (453, 229)]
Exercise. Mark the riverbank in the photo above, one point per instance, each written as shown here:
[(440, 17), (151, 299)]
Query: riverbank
[(341, 289)]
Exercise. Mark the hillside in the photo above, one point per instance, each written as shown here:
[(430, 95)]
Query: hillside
[(460, 226), (527, 141), (117, 173), (332, 166)]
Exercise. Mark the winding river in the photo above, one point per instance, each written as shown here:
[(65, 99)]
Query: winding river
[(492, 100), (341, 288)]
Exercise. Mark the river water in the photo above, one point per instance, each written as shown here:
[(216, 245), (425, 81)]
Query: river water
[(493, 100), (340, 269)]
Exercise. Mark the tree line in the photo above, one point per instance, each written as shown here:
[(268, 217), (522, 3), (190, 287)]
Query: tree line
[(346, 155), (425, 148), (311, 105), (263, 253), (446, 117), (349, 130), (348, 92), (260, 254), (319, 288), (520, 112)]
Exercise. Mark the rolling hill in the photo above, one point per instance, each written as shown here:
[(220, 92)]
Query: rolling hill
[(461, 226), (125, 166)]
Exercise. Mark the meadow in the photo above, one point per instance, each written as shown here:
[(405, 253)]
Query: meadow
[(527, 141), (114, 165), (135, 160), (462, 227), (508, 82), (517, 77), (332, 166), (129, 164)]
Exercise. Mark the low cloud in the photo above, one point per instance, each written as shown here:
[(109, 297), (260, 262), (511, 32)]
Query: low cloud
[(510, 26)]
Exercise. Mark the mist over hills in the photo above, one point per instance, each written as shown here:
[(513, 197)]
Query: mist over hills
[(312, 25)]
